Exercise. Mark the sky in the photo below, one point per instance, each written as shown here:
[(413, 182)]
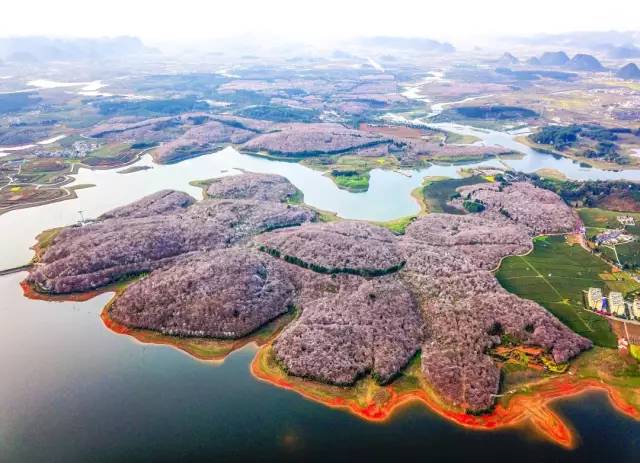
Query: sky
[(315, 21)]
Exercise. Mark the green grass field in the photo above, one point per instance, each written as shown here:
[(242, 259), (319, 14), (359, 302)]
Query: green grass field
[(629, 254), (437, 193), (397, 226), (110, 151), (459, 139), (354, 183), (609, 253), (601, 218), (350, 172), (555, 275), (598, 220)]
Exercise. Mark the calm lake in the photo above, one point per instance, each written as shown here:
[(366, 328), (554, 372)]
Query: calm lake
[(73, 391)]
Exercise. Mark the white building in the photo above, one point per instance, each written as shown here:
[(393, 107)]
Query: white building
[(616, 304), (626, 220), (635, 308), (594, 298)]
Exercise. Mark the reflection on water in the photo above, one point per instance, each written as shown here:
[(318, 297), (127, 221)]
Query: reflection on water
[(534, 160), (388, 197), (73, 391)]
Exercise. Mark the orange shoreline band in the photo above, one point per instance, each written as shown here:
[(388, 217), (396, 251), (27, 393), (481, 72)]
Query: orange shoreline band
[(521, 409), (160, 340)]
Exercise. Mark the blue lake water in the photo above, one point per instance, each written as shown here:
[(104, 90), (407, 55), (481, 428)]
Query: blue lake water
[(388, 196), (73, 391)]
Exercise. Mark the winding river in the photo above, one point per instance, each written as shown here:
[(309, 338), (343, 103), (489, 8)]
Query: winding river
[(388, 197), (71, 390)]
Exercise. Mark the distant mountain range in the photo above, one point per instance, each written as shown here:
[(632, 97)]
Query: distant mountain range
[(629, 72), (580, 62), (554, 58), (584, 62), (508, 59), (42, 49), (408, 43), (614, 44)]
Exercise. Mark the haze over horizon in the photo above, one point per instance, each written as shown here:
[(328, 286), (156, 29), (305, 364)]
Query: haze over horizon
[(458, 21)]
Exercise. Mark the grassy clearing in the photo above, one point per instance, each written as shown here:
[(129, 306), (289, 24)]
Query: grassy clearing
[(82, 186), (438, 192), (601, 218), (629, 254), (351, 162), (326, 216), (351, 180), (46, 171), (297, 198), (609, 367), (597, 220), (45, 239), (551, 173), (43, 166), (351, 172), (626, 83), (397, 226), (459, 139), (110, 151), (555, 275), (110, 155)]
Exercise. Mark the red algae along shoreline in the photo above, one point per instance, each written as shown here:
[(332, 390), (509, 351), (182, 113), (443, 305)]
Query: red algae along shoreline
[(203, 349), (377, 403), (210, 292), (531, 408)]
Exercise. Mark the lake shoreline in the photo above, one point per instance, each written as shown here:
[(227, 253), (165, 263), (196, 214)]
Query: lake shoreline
[(531, 405)]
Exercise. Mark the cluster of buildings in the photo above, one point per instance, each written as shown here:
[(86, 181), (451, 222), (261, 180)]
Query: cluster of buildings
[(626, 220), (79, 149), (618, 235), (613, 304), (613, 237)]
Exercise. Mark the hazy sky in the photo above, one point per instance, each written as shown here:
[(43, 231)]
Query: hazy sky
[(315, 20)]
